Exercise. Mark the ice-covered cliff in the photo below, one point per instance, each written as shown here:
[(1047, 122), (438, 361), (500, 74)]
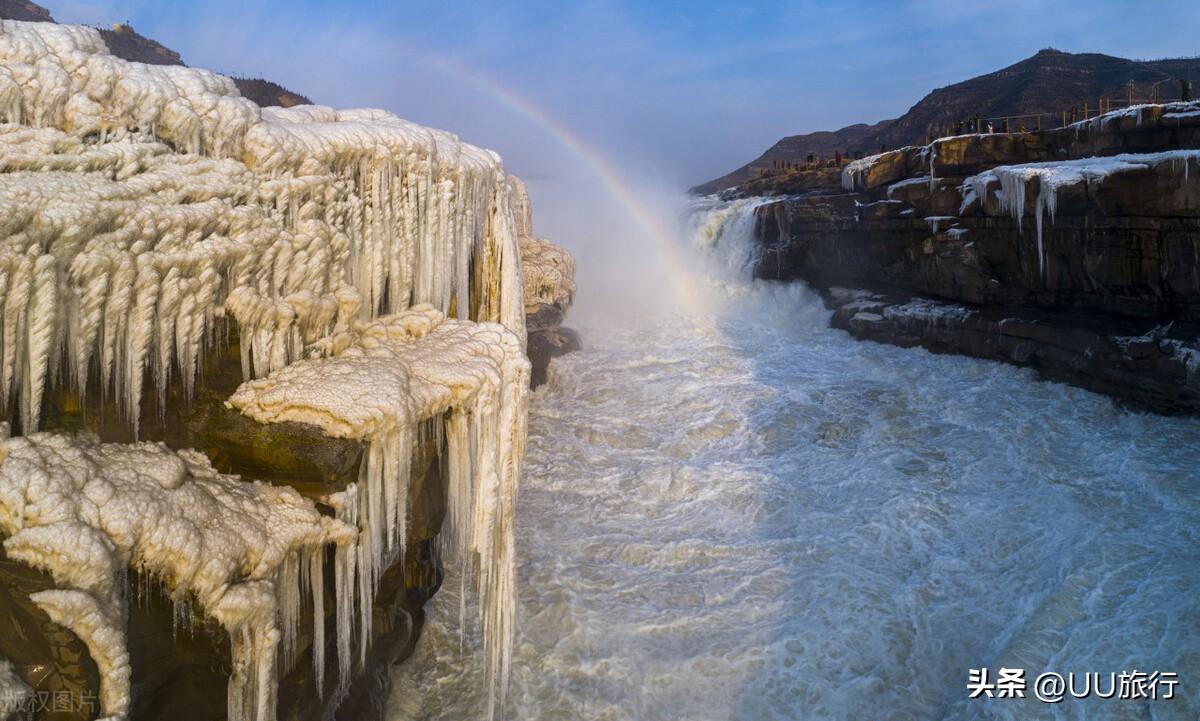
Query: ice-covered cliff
[(370, 269), (549, 289)]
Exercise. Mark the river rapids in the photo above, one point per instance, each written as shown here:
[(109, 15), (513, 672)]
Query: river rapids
[(744, 514)]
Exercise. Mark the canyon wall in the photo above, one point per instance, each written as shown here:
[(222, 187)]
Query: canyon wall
[(262, 371), (549, 290), (1073, 251)]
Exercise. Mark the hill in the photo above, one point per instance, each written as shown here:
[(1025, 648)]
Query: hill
[(24, 10), (1047, 82), (125, 42)]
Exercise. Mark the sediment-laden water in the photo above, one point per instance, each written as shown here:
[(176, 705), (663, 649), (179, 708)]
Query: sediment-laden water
[(740, 513)]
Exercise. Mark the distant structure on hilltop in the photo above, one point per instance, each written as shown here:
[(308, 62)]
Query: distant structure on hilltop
[(1044, 86)]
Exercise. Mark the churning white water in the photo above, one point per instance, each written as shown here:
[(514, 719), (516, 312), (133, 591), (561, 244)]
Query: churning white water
[(744, 514)]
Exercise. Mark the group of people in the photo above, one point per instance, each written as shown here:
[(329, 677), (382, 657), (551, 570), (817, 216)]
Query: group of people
[(967, 127)]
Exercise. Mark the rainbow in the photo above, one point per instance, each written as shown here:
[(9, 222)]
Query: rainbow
[(663, 237)]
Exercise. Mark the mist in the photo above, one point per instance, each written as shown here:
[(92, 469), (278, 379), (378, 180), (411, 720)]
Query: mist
[(666, 96)]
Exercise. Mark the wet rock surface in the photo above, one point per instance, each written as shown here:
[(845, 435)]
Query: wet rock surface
[(1057, 262), (1146, 366)]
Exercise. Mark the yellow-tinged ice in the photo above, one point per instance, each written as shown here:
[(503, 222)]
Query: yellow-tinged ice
[(378, 381), (138, 205), (146, 200), (82, 511)]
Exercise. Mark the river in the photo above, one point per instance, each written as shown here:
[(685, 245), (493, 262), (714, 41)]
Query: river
[(744, 514)]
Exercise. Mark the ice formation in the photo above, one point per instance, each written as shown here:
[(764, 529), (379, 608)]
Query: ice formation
[(908, 182), (855, 170), (929, 155), (377, 382), (1185, 352), (1170, 111), (549, 273), (83, 511), (372, 270), (13, 692), (549, 270), (935, 222), (1052, 176), (1179, 111), (121, 250)]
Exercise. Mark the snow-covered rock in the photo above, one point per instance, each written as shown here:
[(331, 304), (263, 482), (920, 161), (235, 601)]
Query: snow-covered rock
[(1008, 183), (83, 511), (380, 381), (372, 270)]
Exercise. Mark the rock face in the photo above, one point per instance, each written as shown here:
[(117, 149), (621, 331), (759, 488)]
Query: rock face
[(1074, 251), (163, 254), (24, 10), (125, 42), (1048, 83), (549, 291)]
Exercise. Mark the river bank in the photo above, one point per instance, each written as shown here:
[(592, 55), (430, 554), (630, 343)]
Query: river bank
[(1077, 241), (743, 513)]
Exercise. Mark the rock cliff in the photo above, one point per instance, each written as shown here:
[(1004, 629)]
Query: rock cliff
[(549, 291), (1048, 82), (263, 373), (1073, 250)]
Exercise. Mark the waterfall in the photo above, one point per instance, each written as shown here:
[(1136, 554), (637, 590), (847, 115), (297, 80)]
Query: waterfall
[(722, 235)]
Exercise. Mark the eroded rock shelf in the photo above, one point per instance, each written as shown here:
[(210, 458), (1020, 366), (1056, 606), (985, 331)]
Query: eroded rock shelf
[(1075, 251)]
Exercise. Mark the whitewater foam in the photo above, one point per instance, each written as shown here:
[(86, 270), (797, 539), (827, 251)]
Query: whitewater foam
[(753, 516)]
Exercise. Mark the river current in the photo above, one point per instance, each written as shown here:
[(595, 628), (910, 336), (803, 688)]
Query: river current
[(744, 514)]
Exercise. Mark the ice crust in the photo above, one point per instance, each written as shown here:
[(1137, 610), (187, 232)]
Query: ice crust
[(378, 383), (148, 200), (83, 511), (372, 269)]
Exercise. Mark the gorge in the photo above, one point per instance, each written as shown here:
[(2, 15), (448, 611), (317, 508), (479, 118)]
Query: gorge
[(712, 457), (294, 428)]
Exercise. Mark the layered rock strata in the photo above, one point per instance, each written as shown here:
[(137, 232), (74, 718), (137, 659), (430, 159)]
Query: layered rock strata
[(1077, 239)]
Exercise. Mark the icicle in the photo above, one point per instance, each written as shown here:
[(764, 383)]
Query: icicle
[(316, 579), (288, 589), (178, 504), (422, 365), (933, 148), (346, 504), (42, 322)]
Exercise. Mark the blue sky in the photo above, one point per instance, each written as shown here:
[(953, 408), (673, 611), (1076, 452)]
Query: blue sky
[(689, 89)]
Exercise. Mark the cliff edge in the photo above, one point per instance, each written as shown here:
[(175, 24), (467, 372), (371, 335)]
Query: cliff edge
[(1073, 251), (1046, 83)]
